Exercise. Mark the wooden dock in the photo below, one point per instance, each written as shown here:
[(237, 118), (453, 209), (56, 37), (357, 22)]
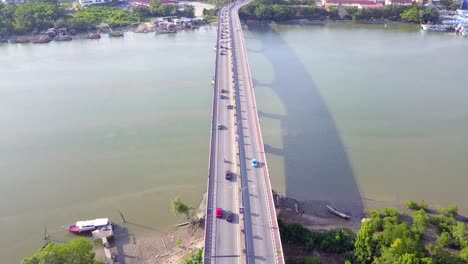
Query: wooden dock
[(105, 234)]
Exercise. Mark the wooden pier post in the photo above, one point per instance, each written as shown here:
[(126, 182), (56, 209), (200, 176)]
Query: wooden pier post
[(123, 218), (46, 235)]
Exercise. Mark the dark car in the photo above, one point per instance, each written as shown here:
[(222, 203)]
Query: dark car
[(229, 216), (228, 175)]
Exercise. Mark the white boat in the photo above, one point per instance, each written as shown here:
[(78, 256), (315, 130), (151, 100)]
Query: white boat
[(335, 211), (438, 28), (88, 225)]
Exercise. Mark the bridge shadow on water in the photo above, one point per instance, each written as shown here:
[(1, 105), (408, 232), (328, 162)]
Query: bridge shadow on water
[(317, 169)]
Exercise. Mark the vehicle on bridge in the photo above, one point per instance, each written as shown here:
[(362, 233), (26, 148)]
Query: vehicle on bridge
[(219, 213), (229, 106), (229, 216), (254, 163), (228, 175), (220, 126)]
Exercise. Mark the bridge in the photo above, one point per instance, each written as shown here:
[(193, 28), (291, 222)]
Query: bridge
[(236, 183)]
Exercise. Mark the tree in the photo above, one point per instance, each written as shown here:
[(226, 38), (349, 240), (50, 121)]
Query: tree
[(423, 204), (364, 245), (464, 254), (195, 258), (430, 15), (178, 207), (264, 12), (281, 13), (76, 251), (444, 239), (154, 6), (412, 259), (188, 11), (34, 15), (412, 205), (412, 15), (420, 221), (458, 233)]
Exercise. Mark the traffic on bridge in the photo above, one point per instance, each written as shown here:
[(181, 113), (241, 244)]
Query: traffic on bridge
[(241, 224)]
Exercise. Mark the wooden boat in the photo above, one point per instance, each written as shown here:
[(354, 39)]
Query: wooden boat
[(88, 226), (20, 40), (93, 36), (114, 34), (165, 31), (437, 28), (335, 211), (63, 38), (41, 39)]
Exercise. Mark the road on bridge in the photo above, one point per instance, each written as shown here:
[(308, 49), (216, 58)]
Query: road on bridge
[(251, 237)]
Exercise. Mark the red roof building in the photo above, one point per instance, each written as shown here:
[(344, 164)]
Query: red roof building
[(399, 2)]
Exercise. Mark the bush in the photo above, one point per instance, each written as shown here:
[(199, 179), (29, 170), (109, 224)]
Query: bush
[(412, 205)]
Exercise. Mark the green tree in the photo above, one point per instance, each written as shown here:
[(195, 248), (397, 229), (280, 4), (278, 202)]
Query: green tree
[(264, 12), (423, 204), (195, 258), (421, 221), (464, 254), (458, 231), (412, 15), (430, 15), (188, 11), (76, 251), (34, 15), (444, 239), (281, 13), (412, 205), (364, 245), (178, 207)]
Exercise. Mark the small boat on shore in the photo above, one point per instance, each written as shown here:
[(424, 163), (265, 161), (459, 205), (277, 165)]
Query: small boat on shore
[(115, 34), (41, 39), (337, 212), (20, 40), (165, 31), (436, 28), (88, 226), (93, 36), (63, 38)]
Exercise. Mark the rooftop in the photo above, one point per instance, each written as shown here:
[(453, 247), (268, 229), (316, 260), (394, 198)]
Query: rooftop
[(359, 2)]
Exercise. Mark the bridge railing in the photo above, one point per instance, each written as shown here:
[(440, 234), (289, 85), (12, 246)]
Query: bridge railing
[(211, 161)]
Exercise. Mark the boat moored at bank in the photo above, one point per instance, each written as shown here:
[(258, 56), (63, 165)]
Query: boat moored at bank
[(88, 226)]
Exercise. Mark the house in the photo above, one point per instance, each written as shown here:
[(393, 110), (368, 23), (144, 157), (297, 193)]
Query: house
[(399, 2), (352, 3), (93, 2)]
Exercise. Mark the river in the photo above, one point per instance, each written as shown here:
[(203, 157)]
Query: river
[(350, 114)]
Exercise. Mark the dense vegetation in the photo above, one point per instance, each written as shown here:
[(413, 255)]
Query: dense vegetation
[(280, 10), (424, 238), (40, 15), (77, 251)]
